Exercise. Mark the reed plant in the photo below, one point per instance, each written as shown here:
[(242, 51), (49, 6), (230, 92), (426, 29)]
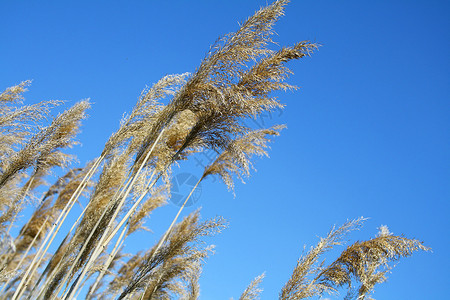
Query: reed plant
[(172, 121)]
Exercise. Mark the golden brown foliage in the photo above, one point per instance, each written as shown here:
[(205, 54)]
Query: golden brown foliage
[(206, 110)]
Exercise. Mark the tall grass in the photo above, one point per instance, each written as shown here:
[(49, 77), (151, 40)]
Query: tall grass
[(177, 117)]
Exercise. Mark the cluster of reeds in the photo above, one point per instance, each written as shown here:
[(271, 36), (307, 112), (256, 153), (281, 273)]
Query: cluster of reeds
[(177, 117)]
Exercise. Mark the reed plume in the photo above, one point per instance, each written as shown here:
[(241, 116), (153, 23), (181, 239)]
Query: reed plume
[(236, 158), (364, 262), (177, 258), (124, 275), (252, 291), (17, 121), (144, 113), (14, 94), (207, 92), (368, 263), (44, 147)]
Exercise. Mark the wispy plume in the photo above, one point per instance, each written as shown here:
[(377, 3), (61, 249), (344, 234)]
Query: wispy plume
[(253, 291), (44, 148), (236, 158), (363, 264)]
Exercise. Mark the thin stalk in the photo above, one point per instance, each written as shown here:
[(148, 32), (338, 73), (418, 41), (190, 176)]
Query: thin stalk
[(66, 277), (132, 209), (56, 225), (25, 254), (77, 282), (126, 217), (79, 291), (106, 265), (61, 218), (5, 259), (166, 234), (122, 234), (20, 203), (118, 192), (59, 263)]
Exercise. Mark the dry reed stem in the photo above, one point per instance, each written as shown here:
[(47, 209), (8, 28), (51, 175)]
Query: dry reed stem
[(26, 253), (63, 187), (168, 231), (59, 255), (106, 265), (67, 208), (56, 225), (76, 284), (133, 224)]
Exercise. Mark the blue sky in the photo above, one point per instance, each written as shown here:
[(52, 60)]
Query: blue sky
[(368, 132)]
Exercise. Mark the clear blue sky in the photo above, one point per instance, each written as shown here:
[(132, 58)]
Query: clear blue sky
[(368, 133)]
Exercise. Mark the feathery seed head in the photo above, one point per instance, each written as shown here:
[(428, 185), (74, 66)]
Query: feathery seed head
[(236, 158)]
